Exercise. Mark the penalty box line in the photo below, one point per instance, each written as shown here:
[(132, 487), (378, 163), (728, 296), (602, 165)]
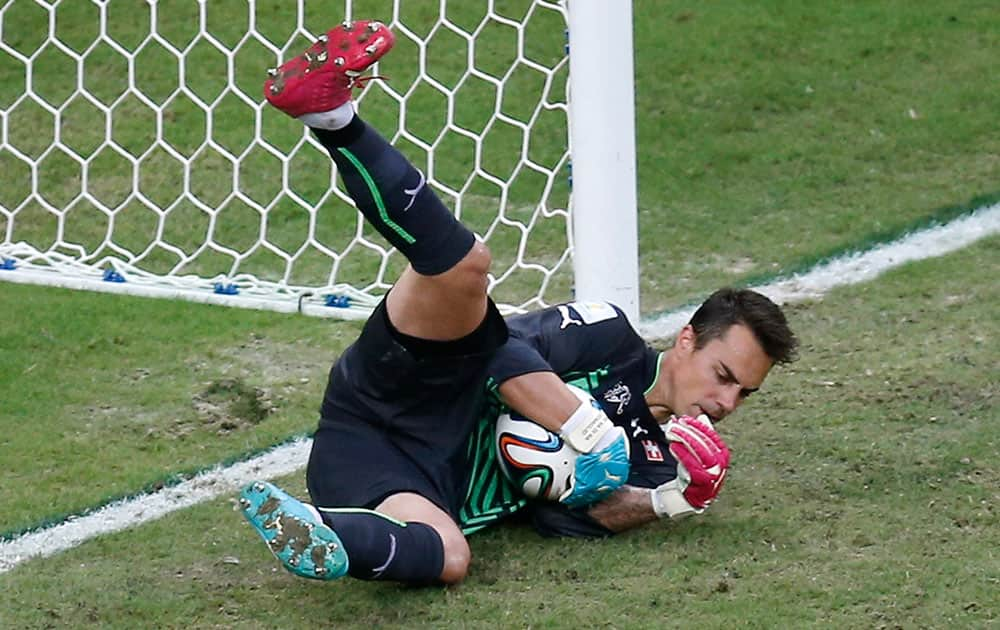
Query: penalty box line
[(288, 458)]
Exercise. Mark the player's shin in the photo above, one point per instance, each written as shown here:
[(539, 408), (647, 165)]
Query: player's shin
[(382, 548), (394, 197)]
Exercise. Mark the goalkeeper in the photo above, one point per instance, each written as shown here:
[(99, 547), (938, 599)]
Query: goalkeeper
[(666, 402), (398, 472)]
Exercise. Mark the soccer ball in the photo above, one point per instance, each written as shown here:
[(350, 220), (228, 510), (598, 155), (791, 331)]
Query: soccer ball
[(538, 462), (533, 458)]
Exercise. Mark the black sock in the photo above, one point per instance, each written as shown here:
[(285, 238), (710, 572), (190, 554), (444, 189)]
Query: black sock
[(381, 548), (392, 194)]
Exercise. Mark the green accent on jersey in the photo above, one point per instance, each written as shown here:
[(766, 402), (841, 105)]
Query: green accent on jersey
[(490, 496), (377, 196), (656, 376), (587, 381)]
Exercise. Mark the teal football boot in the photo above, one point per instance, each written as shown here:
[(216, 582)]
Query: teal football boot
[(294, 533)]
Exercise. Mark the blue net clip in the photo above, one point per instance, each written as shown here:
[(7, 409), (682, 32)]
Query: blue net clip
[(338, 301), (226, 289), (110, 275), (8, 264)]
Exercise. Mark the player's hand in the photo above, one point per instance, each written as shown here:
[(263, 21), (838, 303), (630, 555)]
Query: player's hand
[(600, 472), (702, 461)]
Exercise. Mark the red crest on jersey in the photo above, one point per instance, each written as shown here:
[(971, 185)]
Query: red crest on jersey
[(653, 452)]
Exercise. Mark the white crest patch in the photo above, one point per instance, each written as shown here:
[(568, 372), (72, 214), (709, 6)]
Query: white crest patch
[(620, 395)]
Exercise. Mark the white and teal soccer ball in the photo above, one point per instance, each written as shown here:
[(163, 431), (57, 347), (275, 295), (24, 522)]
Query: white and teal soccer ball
[(538, 462)]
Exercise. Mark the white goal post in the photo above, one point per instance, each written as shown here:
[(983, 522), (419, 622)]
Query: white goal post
[(138, 155)]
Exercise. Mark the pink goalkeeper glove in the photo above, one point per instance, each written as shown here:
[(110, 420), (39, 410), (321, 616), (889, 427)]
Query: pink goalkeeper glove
[(702, 460)]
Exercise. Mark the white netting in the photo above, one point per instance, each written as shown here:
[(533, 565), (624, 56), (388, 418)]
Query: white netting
[(137, 153)]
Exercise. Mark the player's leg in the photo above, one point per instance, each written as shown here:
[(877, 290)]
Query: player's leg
[(442, 294), (406, 539), (410, 507), (375, 498), (370, 492)]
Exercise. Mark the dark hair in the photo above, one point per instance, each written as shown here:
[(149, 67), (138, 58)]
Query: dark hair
[(727, 307)]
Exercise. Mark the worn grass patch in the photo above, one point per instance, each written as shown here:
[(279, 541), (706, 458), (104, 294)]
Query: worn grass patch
[(231, 404)]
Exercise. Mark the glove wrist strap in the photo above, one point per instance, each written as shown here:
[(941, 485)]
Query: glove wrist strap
[(669, 502), (585, 428)]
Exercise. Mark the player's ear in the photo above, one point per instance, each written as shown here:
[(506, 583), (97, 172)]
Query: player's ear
[(685, 341)]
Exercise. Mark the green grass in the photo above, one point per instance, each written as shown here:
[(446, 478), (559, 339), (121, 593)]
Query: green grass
[(863, 494), (769, 136), (773, 133), (110, 394)]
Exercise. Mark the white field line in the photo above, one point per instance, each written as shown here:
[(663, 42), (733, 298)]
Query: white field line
[(857, 267), (291, 457), (210, 484)]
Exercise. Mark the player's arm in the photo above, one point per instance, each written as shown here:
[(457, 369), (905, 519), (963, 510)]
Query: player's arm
[(575, 337), (566, 338), (541, 396), (702, 462), (626, 508), (602, 464)]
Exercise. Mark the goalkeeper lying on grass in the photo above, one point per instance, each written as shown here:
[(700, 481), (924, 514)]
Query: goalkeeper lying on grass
[(403, 463)]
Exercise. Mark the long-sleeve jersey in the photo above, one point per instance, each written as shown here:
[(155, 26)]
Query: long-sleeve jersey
[(590, 345)]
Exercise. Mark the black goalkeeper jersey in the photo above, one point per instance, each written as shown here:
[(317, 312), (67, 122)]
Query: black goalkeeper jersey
[(590, 345)]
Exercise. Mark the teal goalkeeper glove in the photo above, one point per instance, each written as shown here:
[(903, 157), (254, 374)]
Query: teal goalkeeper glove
[(603, 463)]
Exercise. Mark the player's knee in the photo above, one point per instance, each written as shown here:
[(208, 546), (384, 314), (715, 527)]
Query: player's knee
[(457, 557), (482, 257), (474, 267)]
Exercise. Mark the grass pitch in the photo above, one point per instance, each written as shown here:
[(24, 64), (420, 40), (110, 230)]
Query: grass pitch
[(863, 494), (863, 491)]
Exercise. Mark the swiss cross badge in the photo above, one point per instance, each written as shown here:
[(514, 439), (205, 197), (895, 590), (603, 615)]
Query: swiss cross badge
[(653, 452)]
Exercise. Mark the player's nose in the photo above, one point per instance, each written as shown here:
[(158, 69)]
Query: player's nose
[(729, 400)]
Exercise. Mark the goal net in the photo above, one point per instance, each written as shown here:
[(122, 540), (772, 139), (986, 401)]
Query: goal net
[(138, 154)]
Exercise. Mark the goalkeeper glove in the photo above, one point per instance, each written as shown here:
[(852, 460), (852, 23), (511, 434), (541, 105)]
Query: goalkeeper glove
[(702, 461), (603, 463)]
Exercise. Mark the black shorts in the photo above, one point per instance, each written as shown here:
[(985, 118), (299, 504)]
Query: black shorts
[(397, 418)]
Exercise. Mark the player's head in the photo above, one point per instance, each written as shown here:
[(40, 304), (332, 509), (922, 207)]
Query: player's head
[(728, 307), (726, 351)]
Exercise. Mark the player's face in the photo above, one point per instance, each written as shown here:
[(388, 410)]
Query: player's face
[(718, 377)]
